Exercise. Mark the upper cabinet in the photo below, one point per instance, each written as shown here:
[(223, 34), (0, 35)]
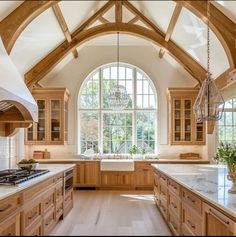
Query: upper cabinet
[(183, 129), (52, 126)]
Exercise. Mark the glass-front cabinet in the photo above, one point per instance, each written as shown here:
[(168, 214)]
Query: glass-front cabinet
[(52, 127), (183, 128)]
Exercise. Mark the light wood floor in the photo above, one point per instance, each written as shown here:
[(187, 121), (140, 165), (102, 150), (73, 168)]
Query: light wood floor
[(113, 213)]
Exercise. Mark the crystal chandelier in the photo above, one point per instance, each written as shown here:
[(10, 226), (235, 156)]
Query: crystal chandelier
[(209, 104), (118, 98)]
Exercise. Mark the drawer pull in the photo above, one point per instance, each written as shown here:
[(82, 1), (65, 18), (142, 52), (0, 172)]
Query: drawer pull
[(31, 217), (190, 223), (192, 200), (6, 207), (145, 169), (173, 205), (218, 218)]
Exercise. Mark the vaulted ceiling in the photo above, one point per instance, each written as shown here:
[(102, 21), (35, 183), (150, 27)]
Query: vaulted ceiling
[(40, 35)]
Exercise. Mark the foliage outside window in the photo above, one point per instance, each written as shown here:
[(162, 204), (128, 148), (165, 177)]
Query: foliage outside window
[(109, 132), (227, 124)]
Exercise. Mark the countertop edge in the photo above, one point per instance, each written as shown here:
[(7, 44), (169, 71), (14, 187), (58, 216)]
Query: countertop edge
[(209, 201), (33, 182)]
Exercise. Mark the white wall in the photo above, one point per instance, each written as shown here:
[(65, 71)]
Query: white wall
[(162, 73)]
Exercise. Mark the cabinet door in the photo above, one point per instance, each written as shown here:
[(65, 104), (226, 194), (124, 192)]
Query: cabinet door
[(217, 224), (109, 179), (79, 178), (144, 177), (125, 179), (177, 123), (11, 226), (91, 173), (55, 121), (187, 120)]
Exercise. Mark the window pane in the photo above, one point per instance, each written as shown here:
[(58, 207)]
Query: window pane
[(146, 131), (117, 132), (89, 132), (89, 98)]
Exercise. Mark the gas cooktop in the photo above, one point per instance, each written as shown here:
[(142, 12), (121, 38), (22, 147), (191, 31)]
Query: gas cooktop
[(17, 176)]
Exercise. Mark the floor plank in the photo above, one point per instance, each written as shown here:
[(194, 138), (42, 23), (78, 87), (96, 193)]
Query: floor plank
[(114, 213)]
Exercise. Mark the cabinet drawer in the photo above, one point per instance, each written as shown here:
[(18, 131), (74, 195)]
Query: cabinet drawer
[(163, 192), (174, 187), (192, 220), (156, 195), (10, 226), (48, 200), (192, 200), (59, 191), (163, 179), (58, 178), (186, 231), (156, 179), (9, 206), (49, 221), (163, 208), (68, 203), (32, 215), (174, 204), (59, 209), (37, 190), (174, 224), (36, 230)]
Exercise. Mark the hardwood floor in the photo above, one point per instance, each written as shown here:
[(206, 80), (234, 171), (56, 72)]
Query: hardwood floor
[(113, 213)]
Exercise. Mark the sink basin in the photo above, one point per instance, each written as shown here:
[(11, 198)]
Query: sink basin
[(117, 165)]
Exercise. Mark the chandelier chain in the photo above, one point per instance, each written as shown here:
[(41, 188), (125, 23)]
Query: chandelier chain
[(208, 37), (118, 57)]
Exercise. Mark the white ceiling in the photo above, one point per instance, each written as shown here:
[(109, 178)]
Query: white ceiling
[(44, 34)]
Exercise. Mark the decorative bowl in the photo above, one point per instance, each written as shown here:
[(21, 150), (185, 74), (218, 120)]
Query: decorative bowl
[(30, 166)]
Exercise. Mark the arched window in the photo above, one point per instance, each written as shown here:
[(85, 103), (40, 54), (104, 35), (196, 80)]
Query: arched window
[(109, 132), (227, 124)]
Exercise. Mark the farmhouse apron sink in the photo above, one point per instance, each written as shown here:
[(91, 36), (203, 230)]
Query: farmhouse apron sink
[(117, 165)]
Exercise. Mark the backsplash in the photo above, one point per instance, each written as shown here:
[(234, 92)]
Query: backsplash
[(8, 154)]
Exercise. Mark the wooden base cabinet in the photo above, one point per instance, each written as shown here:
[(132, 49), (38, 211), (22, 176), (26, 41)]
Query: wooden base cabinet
[(217, 223), (10, 226), (143, 175), (87, 174), (117, 179), (186, 213)]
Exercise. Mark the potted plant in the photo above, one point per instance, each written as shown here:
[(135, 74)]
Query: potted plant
[(137, 152), (226, 154)]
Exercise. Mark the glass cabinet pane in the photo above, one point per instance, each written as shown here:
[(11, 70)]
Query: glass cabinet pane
[(66, 121), (177, 120), (199, 132), (30, 132), (187, 120), (41, 125), (55, 120)]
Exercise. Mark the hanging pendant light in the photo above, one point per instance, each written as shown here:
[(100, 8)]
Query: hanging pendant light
[(209, 104), (118, 97)]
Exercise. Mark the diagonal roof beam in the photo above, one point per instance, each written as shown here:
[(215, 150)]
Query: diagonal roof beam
[(12, 25), (52, 59), (171, 26), (61, 20)]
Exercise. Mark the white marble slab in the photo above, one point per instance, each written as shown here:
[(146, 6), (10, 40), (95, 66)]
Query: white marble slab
[(208, 181), (6, 191)]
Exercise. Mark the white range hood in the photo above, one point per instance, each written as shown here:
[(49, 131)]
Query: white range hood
[(14, 92)]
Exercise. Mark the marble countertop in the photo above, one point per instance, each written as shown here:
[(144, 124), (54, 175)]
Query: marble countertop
[(6, 191), (207, 181), (136, 160)]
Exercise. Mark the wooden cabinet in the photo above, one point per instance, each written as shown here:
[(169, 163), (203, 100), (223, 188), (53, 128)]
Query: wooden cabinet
[(217, 223), (52, 126), (183, 127), (143, 175), (10, 226), (87, 174), (117, 179)]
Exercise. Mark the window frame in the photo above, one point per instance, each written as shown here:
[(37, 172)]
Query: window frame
[(134, 110)]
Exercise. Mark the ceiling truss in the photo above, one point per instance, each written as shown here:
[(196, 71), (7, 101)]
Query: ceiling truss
[(63, 25), (12, 26)]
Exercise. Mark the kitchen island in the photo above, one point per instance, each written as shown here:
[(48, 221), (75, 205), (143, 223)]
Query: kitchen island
[(35, 206), (194, 199)]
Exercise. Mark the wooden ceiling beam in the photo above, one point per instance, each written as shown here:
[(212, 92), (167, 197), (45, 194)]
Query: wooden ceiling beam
[(220, 24), (103, 20), (134, 20), (118, 11), (12, 25), (61, 20), (171, 26), (52, 59)]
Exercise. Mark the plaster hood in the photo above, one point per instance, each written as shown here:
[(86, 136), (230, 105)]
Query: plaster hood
[(17, 105)]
